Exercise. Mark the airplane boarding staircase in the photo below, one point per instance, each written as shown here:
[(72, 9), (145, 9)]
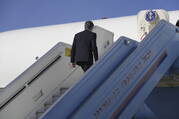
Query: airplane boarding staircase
[(117, 85)]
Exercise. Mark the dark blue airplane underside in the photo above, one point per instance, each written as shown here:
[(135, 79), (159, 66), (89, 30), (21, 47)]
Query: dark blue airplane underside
[(164, 102)]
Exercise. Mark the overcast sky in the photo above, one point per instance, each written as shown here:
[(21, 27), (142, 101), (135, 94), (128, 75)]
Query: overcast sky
[(15, 14)]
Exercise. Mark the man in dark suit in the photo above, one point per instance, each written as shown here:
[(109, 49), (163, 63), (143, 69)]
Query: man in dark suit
[(84, 48)]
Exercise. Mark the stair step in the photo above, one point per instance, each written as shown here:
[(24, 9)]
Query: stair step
[(47, 105), (63, 90), (38, 114), (50, 102), (55, 97)]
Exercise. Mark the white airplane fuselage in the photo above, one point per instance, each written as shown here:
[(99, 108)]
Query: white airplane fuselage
[(19, 48)]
